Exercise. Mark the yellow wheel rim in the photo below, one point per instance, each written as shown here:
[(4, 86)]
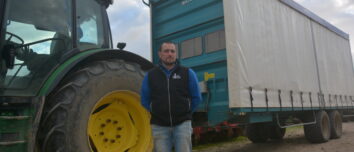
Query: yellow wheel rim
[(119, 123)]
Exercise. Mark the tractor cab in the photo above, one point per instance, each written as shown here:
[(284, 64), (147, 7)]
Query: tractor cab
[(62, 86), (37, 35)]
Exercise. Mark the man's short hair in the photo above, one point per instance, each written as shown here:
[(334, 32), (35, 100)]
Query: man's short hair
[(168, 42)]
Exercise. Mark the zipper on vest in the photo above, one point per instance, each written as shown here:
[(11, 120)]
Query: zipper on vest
[(169, 99), (189, 104)]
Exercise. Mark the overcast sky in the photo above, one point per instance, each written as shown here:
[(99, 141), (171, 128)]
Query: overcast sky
[(130, 21)]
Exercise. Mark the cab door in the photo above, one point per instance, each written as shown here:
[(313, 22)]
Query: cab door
[(35, 34)]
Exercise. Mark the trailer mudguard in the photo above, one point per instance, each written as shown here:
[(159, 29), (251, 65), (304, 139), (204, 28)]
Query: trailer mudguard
[(88, 56)]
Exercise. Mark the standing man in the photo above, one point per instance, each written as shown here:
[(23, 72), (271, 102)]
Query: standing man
[(171, 93)]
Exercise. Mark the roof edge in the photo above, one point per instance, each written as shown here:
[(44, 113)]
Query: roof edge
[(315, 17)]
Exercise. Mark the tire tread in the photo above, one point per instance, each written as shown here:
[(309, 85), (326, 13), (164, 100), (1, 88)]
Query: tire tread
[(54, 124)]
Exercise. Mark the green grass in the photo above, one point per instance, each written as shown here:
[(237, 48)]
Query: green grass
[(292, 129)]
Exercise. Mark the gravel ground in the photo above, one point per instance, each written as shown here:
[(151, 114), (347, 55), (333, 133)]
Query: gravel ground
[(294, 141)]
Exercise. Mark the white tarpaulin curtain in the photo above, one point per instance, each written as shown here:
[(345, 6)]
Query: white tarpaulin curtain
[(272, 46)]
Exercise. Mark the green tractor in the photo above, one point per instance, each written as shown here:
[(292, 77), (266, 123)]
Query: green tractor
[(62, 86)]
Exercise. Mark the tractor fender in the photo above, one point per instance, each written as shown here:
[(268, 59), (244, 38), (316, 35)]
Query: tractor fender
[(89, 56)]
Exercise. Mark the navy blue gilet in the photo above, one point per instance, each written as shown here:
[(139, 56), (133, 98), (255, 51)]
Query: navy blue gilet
[(170, 99)]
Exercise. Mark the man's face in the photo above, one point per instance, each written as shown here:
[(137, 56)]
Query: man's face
[(168, 54)]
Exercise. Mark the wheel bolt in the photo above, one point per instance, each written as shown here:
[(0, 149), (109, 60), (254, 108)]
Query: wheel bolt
[(113, 141), (119, 128), (105, 140), (118, 136), (103, 125), (115, 122), (108, 120), (101, 133)]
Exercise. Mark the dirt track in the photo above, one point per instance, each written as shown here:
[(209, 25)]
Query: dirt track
[(294, 141)]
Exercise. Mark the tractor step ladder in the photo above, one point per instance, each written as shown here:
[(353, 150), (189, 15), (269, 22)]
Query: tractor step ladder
[(14, 128)]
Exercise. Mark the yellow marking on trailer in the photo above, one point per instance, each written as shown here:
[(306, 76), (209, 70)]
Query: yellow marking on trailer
[(208, 76)]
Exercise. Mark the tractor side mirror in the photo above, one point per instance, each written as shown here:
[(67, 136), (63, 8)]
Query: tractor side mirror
[(121, 45)]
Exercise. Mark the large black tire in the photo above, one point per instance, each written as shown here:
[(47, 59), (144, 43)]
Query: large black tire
[(68, 109), (276, 133), (257, 132), (319, 132), (335, 119)]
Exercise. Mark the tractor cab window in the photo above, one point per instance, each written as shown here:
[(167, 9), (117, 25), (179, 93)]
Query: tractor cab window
[(35, 34), (90, 31)]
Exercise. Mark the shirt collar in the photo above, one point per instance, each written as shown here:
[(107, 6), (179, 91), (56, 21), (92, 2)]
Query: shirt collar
[(163, 68)]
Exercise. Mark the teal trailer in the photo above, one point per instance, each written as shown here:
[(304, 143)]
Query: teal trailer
[(263, 64)]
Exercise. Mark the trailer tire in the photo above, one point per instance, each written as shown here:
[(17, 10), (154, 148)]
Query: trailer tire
[(257, 132), (335, 119), (97, 108), (320, 131), (276, 133)]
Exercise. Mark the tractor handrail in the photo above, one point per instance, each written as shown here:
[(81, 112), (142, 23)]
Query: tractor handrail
[(146, 3)]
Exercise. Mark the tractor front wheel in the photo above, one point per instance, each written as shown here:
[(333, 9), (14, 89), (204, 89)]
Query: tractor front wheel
[(97, 108)]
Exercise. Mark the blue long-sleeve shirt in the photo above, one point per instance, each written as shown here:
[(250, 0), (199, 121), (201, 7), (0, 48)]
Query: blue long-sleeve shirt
[(193, 89)]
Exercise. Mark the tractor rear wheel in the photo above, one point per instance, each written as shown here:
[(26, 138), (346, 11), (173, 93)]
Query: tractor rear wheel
[(97, 108)]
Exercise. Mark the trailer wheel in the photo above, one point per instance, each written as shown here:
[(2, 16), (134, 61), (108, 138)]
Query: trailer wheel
[(319, 132), (97, 108), (276, 133), (257, 133), (335, 119)]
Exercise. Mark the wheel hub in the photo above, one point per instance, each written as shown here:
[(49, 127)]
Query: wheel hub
[(111, 126), (119, 123)]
